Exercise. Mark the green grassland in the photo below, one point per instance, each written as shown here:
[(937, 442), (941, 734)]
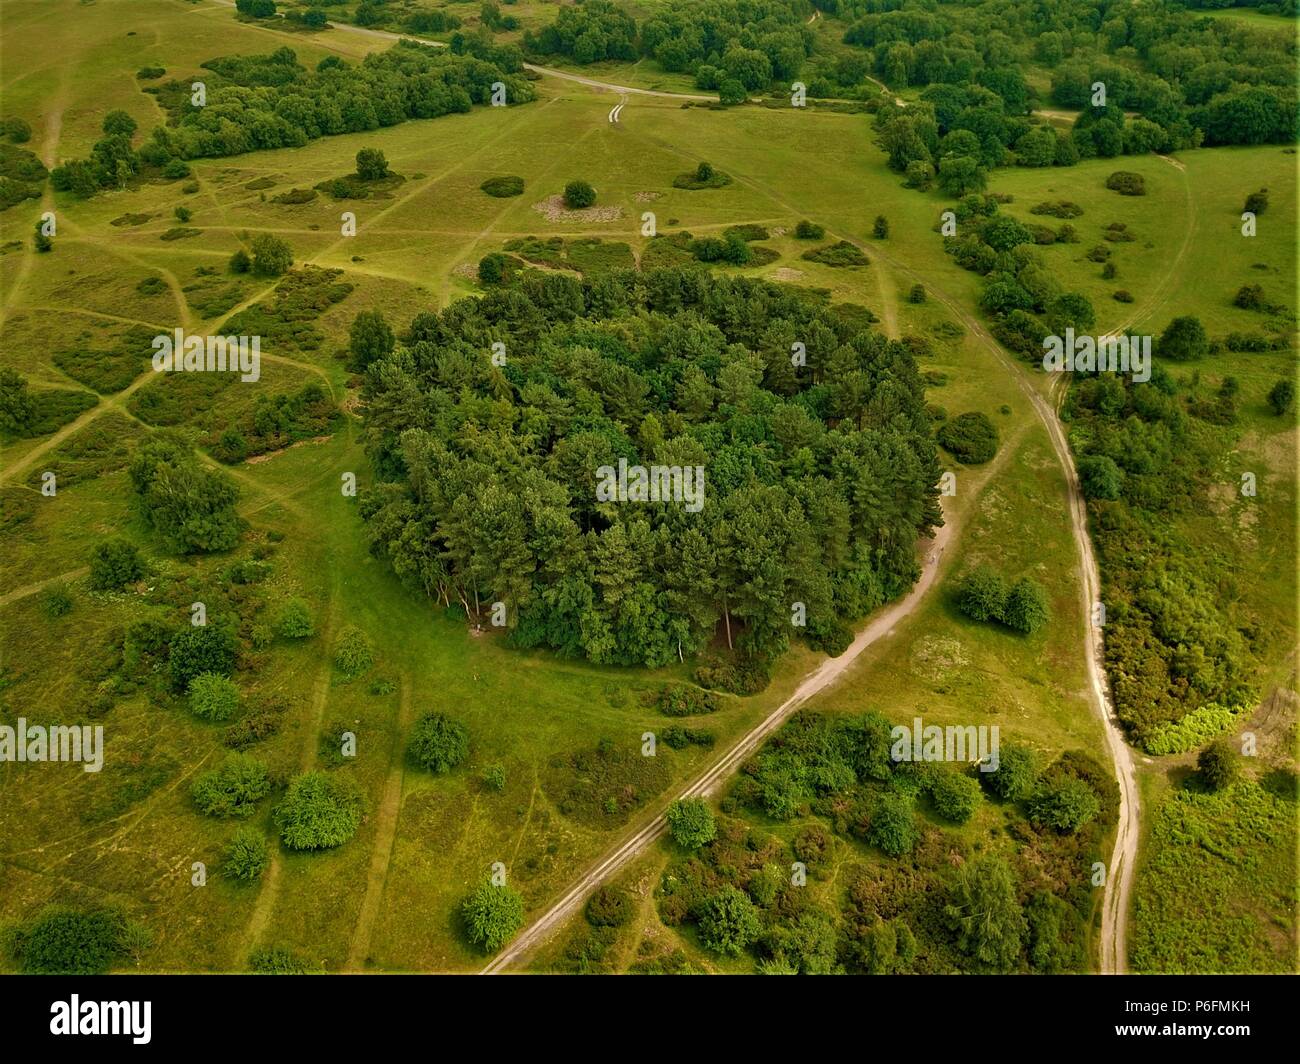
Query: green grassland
[(387, 900)]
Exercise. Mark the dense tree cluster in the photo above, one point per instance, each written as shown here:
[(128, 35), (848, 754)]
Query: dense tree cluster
[(1022, 907), (742, 43), (819, 468), (586, 33), (1176, 639), (1171, 80), (1020, 294), (272, 101)]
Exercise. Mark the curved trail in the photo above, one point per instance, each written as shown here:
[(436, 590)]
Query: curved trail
[(823, 676), (1119, 878)]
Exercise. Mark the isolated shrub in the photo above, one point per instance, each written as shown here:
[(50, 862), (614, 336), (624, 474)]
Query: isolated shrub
[(1026, 608), (208, 648), (691, 823), (1065, 806), (213, 697), (1217, 765), (114, 563), (1122, 295), (494, 778), (1184, 338), (352, 655), (893, 825), (1015, 776), (880, 229), (57, 601), (728, 922), (807, 230), (371, 164), (1281, 396), (954, 796), (294, 620), (492, 268), (609, 906), (69, 942), (982, 595), (492, 915), (579, 194), (233, 789), (684, 700), (1126, 183), (503, 187), (916, 294), (1257, 202), (971, 438), (1249, 297), (438, 743), (319, 811), (271, 256), (240, 262)]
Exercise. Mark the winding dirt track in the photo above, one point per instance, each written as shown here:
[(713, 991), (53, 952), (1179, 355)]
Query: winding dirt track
[(823, 676), (1121, 868)]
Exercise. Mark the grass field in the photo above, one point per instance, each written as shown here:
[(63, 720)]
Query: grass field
[(388, 899)]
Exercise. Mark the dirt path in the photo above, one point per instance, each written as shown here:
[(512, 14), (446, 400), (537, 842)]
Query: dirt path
[(390, 804), (830, 670), (1120, 869), (40, 585)]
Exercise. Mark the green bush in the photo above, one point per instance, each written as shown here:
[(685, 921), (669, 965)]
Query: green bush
[(1027, 607), (579, 194), (971, 438), (807, 230), (691, 823), (1191, 730), (1217, 765), (954, 796), (294, 620), (213, 697), (271, 256), (1065, 806), (728, 922), (982, 596), (246, 855), (69, 942), (503, 187), (114, 564), (233, 789), (1015, 776), (352, 655), (319, 811), (893, 825), (194, 650), (438, 743), (609, 906), (492, 915), (1127, 183)]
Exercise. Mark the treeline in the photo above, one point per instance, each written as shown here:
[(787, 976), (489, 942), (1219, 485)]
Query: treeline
[(1183, 80), (752, 42), (819, 468), (272, 101)]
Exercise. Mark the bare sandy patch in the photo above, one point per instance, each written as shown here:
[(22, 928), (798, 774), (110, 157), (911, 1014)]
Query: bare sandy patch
[(784, 273), (554, 210)]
